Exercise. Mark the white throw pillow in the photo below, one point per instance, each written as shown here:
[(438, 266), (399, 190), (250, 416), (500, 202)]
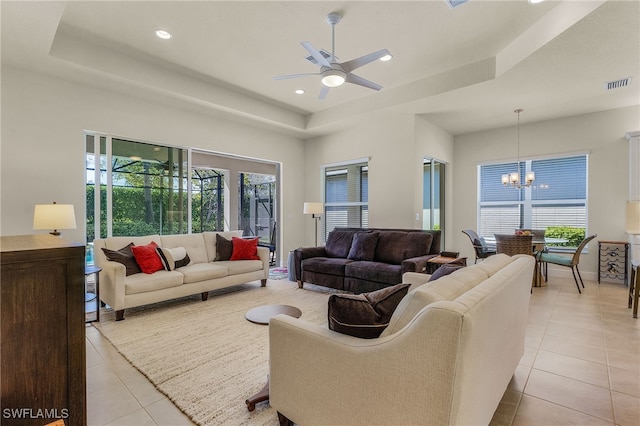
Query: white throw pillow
[(172, 256)]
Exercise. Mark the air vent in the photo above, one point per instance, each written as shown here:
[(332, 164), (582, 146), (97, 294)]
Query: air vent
[(323, 52), (623, 82), (455, 3)]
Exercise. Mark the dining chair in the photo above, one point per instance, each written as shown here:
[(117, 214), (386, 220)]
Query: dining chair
[(481, 249), (569, 262), (539, 245), (514, 244)]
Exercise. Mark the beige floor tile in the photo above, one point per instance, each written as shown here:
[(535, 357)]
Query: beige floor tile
[(529, 356), (537, 412), (574, 368), (574, 348), (100, 377), (622, 360), (584, 335), (623, 344), (109, 404), (164, 413), (137, 418), (520, 377), (625, 381), (570, 393), (627, 409), (507, 408)]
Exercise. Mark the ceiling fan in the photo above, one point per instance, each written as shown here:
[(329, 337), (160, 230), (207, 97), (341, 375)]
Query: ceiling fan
[(333, 73)]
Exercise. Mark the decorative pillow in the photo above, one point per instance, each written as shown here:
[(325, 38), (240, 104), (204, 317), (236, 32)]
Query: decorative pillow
[(224, 248), (147, 257), (124, 256), (245, 249), (444, 270), (364, 315), (173, 258), (363, 246)]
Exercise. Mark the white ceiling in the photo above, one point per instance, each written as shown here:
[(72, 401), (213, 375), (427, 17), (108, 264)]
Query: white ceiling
[(464, 69)]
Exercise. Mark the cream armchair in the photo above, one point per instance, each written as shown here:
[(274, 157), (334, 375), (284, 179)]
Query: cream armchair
[(440, 362)]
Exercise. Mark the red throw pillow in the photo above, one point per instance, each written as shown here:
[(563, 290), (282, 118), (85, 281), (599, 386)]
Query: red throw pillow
[(245, 249), (147, 258)]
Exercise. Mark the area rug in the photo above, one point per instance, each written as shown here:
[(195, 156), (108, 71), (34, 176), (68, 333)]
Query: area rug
[(278, 274), (205, 356)]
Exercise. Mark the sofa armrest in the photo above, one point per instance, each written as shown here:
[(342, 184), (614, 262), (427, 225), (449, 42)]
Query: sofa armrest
[(416, 264), (310, 363), (263, 254), (112, 284), (302, 253)]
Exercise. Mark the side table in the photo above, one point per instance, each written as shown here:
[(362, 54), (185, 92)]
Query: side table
[(88, 271), (436, 262)]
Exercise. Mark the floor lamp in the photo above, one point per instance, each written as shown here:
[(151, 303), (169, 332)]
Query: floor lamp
[(315, 210)]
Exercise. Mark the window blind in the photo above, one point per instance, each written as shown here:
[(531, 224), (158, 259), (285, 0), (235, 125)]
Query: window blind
[(346, 196), (557, 198)]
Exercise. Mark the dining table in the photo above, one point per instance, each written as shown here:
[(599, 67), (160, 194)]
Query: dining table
[(537, 246)]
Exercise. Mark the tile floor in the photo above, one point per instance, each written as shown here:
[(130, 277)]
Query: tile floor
[(581, 367)]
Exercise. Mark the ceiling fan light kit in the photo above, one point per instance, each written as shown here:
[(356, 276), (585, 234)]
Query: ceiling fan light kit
[(334, 73), (333, 77)]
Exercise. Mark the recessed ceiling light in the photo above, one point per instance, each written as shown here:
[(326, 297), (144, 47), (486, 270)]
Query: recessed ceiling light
[(386, 58), (163, 34), (535, 1), (299, 91)]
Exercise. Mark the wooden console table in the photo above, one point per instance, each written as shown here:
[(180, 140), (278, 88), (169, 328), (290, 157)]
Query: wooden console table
[(43, 330)]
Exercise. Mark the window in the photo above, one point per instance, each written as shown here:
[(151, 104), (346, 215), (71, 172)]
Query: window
[(557, 200), (143, 185), (346, 196), (433, 195)]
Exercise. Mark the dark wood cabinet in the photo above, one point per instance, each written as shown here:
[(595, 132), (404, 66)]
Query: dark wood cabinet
[(42, 340)]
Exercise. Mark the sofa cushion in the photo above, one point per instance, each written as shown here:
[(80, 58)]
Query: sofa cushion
[(147, 257), (143, 283), (338, 243), (374, 271), (417, 244), (494, 263), (245, 249), (224, 248), (197, 272), (193, 243), (363, 246), (364, 315), (391, 247), (235, 267), (124, 256), (443, 271), (446, 288), (325, 265)]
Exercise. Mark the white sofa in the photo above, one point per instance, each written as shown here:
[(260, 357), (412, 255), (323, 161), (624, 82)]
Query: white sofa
[(446, 357), (201, 275)]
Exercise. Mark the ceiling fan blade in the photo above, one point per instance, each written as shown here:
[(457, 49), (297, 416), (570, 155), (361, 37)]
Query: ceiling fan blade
[(352, 78), (363, 60), (286, 77), (323, 92), (321, 60)]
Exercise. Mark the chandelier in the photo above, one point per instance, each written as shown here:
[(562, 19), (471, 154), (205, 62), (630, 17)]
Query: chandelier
[(513, 179)]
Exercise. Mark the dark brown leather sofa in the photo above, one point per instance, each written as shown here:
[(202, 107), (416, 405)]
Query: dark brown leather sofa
[(362, 260)]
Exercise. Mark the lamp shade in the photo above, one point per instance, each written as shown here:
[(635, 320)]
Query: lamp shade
[(633, 217), (54, 216), (313, 208)]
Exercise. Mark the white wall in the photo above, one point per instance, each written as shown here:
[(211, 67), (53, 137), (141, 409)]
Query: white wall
[(601, 134), (42, 152), (395, 144)]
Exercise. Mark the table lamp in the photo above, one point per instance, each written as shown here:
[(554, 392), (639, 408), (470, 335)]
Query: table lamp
[(315, 210), (54, 216)]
